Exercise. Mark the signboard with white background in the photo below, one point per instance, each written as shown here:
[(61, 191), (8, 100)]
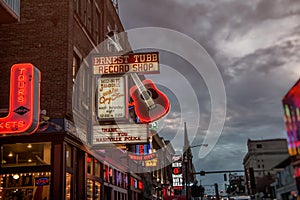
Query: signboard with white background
[(120, 134), (112, 98), (177, 172)]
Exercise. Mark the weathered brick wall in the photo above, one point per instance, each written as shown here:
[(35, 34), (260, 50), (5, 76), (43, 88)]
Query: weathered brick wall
[(39, 38)]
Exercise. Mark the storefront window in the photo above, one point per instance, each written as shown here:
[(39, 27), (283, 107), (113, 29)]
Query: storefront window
[(26, 154), (68, 186), (97, 191), (97, 168), (89, 161), (68, 156), (25, 186), (89, 189)]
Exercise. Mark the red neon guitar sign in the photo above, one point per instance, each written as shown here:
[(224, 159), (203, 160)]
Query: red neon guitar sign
[(24, 101), (150, 104)]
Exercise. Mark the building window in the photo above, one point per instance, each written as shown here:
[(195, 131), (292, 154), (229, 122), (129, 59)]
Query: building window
[(68, 186), (89, 16), (69, 156), (76, 6), (26, 154), (90, 162), (258, 166), (259, 146), (98, 26), (97, 168), (97, 190), (75, 66), (89, 189)]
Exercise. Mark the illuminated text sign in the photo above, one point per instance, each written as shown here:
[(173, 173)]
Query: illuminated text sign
[(24, 105), (151, 163), (121, 133), (41, 181), (137, 62), (142, 157), (177, 175)]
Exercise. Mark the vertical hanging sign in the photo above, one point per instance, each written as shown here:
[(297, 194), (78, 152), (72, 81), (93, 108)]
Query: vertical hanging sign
[(24, 101)]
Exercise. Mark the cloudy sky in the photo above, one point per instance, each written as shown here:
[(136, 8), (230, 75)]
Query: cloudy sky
[(256, 48)]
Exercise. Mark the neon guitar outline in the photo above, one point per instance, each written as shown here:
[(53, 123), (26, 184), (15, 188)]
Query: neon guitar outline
[(150, 104), (24, 101)]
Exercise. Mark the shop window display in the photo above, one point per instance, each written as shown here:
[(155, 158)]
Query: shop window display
[(68, 186), (25, 186), (97, 190), (89, 189)]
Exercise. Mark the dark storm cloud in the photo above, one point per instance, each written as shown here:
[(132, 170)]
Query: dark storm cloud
[(266, 59), (256, 46)]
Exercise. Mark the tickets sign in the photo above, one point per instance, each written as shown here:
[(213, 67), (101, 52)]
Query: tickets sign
[(24, 101), (136, 62)]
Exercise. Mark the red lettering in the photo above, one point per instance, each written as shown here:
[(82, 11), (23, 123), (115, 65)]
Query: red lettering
[(23, 116)]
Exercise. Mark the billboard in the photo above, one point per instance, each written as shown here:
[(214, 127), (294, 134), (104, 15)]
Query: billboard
[(120, 134), (291, 106)]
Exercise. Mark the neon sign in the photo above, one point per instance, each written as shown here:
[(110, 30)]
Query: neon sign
[(24, 101), (41, 181)]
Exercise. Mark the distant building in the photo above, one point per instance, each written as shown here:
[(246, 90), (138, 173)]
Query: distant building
[(261, 157)]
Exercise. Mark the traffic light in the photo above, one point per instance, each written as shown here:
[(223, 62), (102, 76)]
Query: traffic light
[(202, 173), (230, 189)]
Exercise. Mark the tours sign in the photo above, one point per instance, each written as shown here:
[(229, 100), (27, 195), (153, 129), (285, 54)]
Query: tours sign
[(24, 101), (135, 62)]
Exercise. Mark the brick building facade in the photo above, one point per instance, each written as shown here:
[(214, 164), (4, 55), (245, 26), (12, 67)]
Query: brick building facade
[(52, 163), (52, 35)]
